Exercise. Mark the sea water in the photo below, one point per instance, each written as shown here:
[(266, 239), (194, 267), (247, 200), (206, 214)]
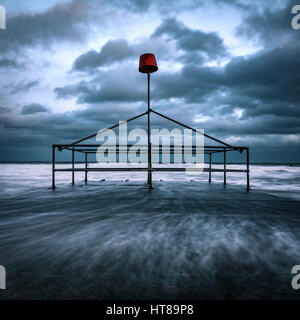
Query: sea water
[(115, 239)]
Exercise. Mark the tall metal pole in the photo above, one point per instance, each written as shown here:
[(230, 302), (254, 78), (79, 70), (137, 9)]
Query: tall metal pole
[(248, 168), (149, 138), (73, 177), (209, 176), (224, 167), (86, 167), (53, 167)]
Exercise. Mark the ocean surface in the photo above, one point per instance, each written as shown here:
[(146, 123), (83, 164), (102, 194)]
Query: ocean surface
[(112, 238)]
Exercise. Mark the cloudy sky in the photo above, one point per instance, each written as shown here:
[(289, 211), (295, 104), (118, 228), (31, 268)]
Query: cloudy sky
[(69, 68)]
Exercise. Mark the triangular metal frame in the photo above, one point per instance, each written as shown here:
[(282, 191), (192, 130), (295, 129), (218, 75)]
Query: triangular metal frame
[(74, 147)]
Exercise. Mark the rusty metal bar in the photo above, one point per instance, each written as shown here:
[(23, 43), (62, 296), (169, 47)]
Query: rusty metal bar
[(194, 130), (149, 138), (209, 177), (146, 152), (112, 127), (145, 145), (224, 167), (176, 169), (53, 167), (86, 167), (248, 169), (73, 167)]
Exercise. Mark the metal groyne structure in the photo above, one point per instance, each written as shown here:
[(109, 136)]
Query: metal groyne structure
[(148, 65)]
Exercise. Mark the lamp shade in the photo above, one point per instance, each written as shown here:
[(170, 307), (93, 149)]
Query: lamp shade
[(147, 63)]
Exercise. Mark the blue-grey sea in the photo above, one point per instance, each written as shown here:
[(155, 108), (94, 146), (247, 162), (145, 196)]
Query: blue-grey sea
[(112, 238)]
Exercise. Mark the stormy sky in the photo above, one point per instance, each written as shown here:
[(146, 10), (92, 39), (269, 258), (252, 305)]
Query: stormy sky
[(69, 68)]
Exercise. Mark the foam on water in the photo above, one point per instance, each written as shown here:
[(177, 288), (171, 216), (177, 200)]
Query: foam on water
[(184, 239)]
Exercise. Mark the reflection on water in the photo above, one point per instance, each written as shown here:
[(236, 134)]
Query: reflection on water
[(119, 240)]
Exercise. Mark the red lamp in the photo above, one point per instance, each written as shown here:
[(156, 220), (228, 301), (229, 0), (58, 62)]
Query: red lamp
[(147, 63)]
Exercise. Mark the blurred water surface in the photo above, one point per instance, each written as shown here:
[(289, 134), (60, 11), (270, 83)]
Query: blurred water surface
[(115, 239)]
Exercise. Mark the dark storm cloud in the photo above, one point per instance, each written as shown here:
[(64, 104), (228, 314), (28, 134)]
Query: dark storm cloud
[(107, 115), (276, 109), (254, 83), (272, 27), (199, 44), (266, 124), (4, 63), (4, 110), (121, 51), (269, 80), (189, 40), (42, 128), (34, 108), (192, 83), (64, 21), (70, 91), (174, 6), (265, 85), (24, 86), (87, 92), (112, 51), (121, 84), (268, 76), (70, 21)]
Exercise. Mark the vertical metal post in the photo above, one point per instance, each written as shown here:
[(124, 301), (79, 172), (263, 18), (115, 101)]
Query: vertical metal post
[(209, 176), (248, 169), (149, 138), (73, 176), (86, 167), (53, 167), (224, 167)]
